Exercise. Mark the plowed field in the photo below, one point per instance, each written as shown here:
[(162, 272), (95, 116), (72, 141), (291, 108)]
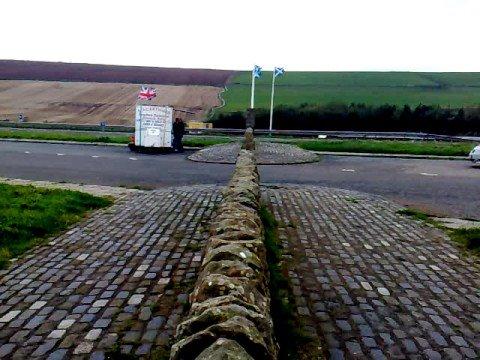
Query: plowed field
[(90, 93), (91, 103)]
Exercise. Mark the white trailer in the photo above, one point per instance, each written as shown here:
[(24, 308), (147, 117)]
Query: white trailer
[(153, 128)]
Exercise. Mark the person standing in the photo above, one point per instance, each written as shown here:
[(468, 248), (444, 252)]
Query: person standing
[(178, 132)]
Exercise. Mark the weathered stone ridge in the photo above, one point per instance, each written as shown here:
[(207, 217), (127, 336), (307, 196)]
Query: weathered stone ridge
[(230, 313), (249, 142)]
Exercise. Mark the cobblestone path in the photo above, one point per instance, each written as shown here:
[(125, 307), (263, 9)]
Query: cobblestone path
[(117, 280), (266, 153), (374, 283), (371, 283)]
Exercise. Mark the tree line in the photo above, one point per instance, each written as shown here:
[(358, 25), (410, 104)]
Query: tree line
[(362, 117)]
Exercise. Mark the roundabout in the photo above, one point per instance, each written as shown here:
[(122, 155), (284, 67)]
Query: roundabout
[(267, 153)]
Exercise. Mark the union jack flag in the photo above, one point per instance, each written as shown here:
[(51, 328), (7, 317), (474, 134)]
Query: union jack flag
[(147, 93)]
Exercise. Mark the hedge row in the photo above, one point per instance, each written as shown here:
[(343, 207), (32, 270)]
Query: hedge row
[(361, 117)]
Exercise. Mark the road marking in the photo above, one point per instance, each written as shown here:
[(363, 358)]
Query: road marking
[(348, 170), (95, 156), (133, 158), (59, 154), (27, 152), (428, 174)]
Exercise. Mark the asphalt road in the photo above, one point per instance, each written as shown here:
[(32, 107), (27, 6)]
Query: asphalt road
[(442, 187)]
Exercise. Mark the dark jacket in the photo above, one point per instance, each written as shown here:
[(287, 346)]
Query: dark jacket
[(178, 129)]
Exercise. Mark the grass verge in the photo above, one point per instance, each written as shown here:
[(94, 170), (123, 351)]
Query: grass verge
[(195, 141), (355, 146), (199, 141), (467, 239), (388, 147), (29, 215), (417, 215), (287, 327), (62, 136)]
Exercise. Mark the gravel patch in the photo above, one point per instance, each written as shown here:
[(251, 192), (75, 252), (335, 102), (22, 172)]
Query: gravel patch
[(453, 223), (95, 190)]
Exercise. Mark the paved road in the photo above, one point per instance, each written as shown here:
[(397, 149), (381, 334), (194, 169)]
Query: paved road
[(104, 165), (444, 187)]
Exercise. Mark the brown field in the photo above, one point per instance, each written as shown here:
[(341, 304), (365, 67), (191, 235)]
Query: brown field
[(93, 102), (56, 71), (90, 93)]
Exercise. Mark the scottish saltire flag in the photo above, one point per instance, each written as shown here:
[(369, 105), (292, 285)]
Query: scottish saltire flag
[(147, 93), (257, 71), (279, 71)]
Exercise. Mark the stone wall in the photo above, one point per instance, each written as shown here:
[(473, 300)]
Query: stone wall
[(230, 313), (249, 141)]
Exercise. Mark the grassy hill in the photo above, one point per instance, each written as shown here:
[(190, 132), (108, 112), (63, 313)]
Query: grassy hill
[(372, 88)]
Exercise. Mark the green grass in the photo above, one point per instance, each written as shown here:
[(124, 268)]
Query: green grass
[(415, 214), (197, 141), (368, 146), (467, 239), (388, 147), (29, 215), (62, 136), (371, 88)]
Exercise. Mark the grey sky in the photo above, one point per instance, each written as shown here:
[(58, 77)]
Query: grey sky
[(420, 35)]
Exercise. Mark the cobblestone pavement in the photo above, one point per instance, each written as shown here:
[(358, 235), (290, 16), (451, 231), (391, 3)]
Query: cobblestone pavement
[(374, 283), (119, 280), (221, 154), (267, 153)]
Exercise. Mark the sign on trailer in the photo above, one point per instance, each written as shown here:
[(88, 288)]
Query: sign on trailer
[(153, 126)]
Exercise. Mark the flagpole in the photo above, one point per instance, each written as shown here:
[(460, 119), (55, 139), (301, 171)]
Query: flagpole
[(252, 100), (271, 101)]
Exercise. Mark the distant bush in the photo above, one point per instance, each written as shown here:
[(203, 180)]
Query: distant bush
[(361, 117)]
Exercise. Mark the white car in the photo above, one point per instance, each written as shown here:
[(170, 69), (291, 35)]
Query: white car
[(475, 155)]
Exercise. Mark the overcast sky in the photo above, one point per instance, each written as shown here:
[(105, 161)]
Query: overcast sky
[(414, 35)]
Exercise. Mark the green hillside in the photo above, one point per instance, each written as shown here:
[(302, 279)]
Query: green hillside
[(372, 88)]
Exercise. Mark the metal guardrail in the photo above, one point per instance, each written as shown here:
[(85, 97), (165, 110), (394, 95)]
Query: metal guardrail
[(240, 132), (336, 134), (75, 127)]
